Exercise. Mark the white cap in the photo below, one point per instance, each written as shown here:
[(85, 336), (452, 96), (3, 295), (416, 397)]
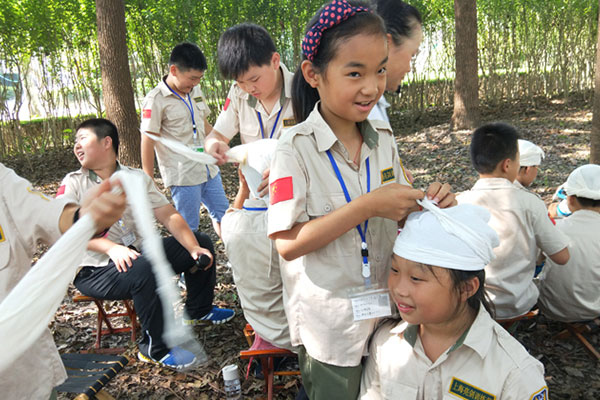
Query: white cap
[(254, 159), (584, 182), (530, 154), (230, 372), (456, 237)]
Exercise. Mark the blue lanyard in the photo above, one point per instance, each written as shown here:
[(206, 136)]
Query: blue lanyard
[(255, 208), (366, 267), (189, 106), (262, 129)]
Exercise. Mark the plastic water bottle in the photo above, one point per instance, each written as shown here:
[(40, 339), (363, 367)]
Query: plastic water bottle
[(233, 387)]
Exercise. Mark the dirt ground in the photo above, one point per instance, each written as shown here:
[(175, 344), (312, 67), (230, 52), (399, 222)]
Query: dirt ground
[(431, 152)]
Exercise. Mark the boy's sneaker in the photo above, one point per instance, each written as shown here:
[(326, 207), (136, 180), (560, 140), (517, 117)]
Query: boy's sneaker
[(215, 316), (177, 359)]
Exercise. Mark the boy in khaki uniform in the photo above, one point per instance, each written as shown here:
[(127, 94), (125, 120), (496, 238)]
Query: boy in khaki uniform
[(518, 216), (114, 268), (176, 110), (259, 103), (570, 293), (28, 218)]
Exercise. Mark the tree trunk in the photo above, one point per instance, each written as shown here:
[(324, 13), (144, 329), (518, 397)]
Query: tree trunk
[(466, 82), (116, 78), (595, 137)]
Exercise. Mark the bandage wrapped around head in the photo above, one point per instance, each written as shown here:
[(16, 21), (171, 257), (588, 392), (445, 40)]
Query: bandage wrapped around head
[(254, 159), (584, 182), (456, 237), (530, 154)]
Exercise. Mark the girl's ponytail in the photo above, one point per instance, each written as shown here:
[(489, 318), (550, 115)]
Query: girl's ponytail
[(304, 96)]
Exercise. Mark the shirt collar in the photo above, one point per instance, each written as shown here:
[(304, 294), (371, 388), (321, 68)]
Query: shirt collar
[(326, 138), (492, 183), (93, 176)]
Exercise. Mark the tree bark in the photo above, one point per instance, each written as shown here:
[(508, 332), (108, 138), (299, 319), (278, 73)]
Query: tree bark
[(116, 78), (595, 136), (466, 82)]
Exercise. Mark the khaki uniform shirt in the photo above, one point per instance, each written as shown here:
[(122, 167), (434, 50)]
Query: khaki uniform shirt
[(570, 292), (255, 266), (521, 220), (125, 231), (240, 113), (27, 218), (486, 363), (318, 307), (165, 113)]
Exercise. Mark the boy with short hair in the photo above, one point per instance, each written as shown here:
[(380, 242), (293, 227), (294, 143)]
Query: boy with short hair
[(518, 216), (259, 103), (176, 109), (531, 157), (114, 268), (569, 293)]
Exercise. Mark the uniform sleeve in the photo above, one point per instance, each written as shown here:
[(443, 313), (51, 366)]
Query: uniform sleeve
[(547, 236), (151, 115), (526, 382), (35, 215), (69, 190), (157, 199), (228, 121), (287, 191), (401, 176), (370, 385)]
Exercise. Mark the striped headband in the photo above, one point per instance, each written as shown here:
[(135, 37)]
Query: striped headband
[(333, 14)]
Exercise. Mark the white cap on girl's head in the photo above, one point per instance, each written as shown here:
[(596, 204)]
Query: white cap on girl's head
[(584, 182), (455, 237), (530, 154), (254, 159)]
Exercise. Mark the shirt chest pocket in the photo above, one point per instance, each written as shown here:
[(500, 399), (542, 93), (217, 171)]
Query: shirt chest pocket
[(394, 390), (321, 204), (201, 110)]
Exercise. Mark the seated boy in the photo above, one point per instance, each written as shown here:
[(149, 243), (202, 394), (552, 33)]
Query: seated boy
[(176, 109), (259, 103), (253, 256), (519, 217), (570, 293), (530, 158), (114, 269)]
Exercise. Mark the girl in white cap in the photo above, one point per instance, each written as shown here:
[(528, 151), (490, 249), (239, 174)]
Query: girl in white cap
[(448, 345)]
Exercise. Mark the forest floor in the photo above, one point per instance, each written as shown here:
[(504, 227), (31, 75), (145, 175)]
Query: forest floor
[(432, 152)]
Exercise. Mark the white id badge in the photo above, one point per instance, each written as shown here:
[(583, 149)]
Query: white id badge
[(370, 303), (128, 239)]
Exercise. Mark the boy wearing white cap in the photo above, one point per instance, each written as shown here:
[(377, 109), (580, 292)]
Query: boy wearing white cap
[(518, 216), (448, 345), (570, 293), (253, 256), (530, 159)]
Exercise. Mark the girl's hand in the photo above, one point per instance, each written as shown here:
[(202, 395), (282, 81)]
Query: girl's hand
[(441, 194), (122, 257), (394, 201)]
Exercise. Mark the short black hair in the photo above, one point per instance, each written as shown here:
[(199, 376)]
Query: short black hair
[(400, 18), (243, 46), (186, 56), (491, 144), (587, 202), (102, 128)]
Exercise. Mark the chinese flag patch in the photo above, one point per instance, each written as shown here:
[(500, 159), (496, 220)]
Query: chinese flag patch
[(280, 190), (226, 104), (146, 113), (60, 191)]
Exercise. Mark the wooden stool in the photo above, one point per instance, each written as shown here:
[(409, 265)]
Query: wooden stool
[(104, 318), (577, 329), (510, 323), (267, 361), (89, 373)]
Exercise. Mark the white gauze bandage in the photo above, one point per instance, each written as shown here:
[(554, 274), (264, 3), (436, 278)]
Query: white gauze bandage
[(254, 158), (584, 182), (530, 155), (456, 237), (184, 150)]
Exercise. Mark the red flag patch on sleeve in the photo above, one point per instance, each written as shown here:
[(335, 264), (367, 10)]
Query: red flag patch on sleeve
[(147, 113), (226, 104), (282, 189), (61, 190)]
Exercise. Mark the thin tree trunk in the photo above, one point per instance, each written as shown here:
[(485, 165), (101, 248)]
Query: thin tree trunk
[(116, 78), (595, 137), (466, 82)]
